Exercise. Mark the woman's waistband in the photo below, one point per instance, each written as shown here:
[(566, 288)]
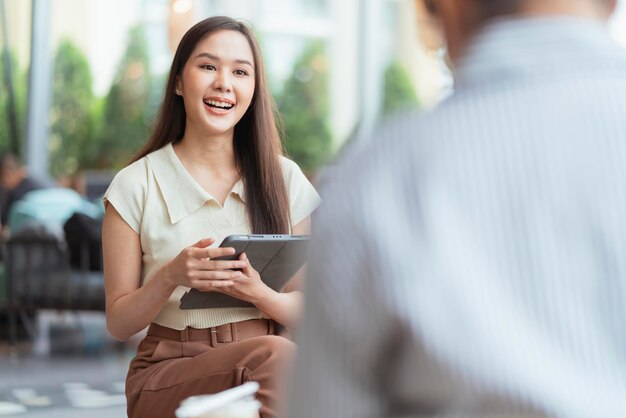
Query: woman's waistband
[(223, 334)]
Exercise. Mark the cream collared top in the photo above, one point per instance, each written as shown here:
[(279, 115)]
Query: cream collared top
[(161, 202)]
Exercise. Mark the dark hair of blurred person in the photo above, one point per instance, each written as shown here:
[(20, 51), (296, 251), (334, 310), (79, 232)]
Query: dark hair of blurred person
[(471, 261), (16, 182), (460, 21)]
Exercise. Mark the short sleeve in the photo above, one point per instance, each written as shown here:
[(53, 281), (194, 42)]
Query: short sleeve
[(127, 193), (303, 198)]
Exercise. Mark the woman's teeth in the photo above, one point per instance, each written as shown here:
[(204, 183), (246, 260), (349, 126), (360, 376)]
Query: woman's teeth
[(220, 105)]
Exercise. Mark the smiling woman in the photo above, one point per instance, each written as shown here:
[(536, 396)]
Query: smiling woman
[(212, 168)]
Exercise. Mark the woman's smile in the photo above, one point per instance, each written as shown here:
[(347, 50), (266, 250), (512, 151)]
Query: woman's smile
[(218, 105)]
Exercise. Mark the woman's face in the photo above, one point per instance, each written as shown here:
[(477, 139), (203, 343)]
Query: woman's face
[(217, 83)]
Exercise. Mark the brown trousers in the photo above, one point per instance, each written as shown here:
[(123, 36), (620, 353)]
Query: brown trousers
[(170, 366)]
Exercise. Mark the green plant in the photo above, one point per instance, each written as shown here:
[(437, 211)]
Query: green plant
[(19, 89), (399, 92), (304, 109), (72, 117), (126, 114)]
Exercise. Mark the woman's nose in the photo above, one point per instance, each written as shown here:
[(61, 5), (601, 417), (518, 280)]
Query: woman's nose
[(222, 81)]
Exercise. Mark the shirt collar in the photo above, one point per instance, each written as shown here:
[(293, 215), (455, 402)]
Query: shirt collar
[(238, 190), (181, 192), (522, 47)]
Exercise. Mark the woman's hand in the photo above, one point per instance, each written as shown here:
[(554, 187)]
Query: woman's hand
[(249, 286), (194, 267)]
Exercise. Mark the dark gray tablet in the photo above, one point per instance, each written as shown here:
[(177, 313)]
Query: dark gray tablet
[(276, 257)]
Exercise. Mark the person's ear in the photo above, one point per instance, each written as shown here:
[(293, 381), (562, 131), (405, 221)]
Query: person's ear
[(611, 7), (453, 15), (429, 25), (177, 89), (430, 5)]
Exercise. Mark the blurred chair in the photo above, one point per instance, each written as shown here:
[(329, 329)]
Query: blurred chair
[(39, 276)]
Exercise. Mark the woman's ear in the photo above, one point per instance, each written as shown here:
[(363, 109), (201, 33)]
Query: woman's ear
[(177, 87)]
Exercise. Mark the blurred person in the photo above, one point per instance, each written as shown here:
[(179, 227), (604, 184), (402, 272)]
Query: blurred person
[(83, 226), (213, 167), (471, 261), (75, 181), (15, 182)]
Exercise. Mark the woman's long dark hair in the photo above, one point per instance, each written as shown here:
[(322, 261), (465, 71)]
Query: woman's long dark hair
[(256, 144)]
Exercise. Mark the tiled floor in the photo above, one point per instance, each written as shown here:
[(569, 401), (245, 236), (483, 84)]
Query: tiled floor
[(73, 369)]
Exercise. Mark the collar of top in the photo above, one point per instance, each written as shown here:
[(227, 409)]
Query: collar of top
[(514, 48), (181, 192)]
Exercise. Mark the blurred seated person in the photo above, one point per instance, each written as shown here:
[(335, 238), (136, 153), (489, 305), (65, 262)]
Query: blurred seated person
[(15, 182), (78, 182), (65, 213), (52, 206), (75, 181)]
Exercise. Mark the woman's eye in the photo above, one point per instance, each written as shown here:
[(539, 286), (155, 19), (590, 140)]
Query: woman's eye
[(241, 72), (208, 67)]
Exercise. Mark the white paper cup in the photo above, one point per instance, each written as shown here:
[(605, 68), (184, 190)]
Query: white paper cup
[(238, 409), (237, 402)]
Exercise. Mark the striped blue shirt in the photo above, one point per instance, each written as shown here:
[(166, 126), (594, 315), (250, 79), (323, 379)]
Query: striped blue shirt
[(472, 260)]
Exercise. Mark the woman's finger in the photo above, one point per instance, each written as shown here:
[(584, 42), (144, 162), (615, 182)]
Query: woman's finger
[(214, 275), (208, 285), (247, 268), (203, 243), (219, 264), (202, 253)]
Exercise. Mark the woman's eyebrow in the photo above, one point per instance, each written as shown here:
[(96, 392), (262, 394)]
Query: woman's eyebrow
[(216, 58)]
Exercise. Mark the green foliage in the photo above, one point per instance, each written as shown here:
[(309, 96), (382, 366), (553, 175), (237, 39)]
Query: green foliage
[(399, 92), (72, 115), (92, 149), (20, 91), (304, 108), (89, 132), (127, 114)]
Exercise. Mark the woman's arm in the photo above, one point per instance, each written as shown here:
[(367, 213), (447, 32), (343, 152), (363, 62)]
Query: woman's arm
[(131, 307)]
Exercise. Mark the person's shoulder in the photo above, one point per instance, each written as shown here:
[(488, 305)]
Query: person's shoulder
[(287, 165), (128, 190), (134, 171), (390, 145), (133, 178), (291, 170), (160, 155), (418, 137), (378, 167), (144, 164)]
